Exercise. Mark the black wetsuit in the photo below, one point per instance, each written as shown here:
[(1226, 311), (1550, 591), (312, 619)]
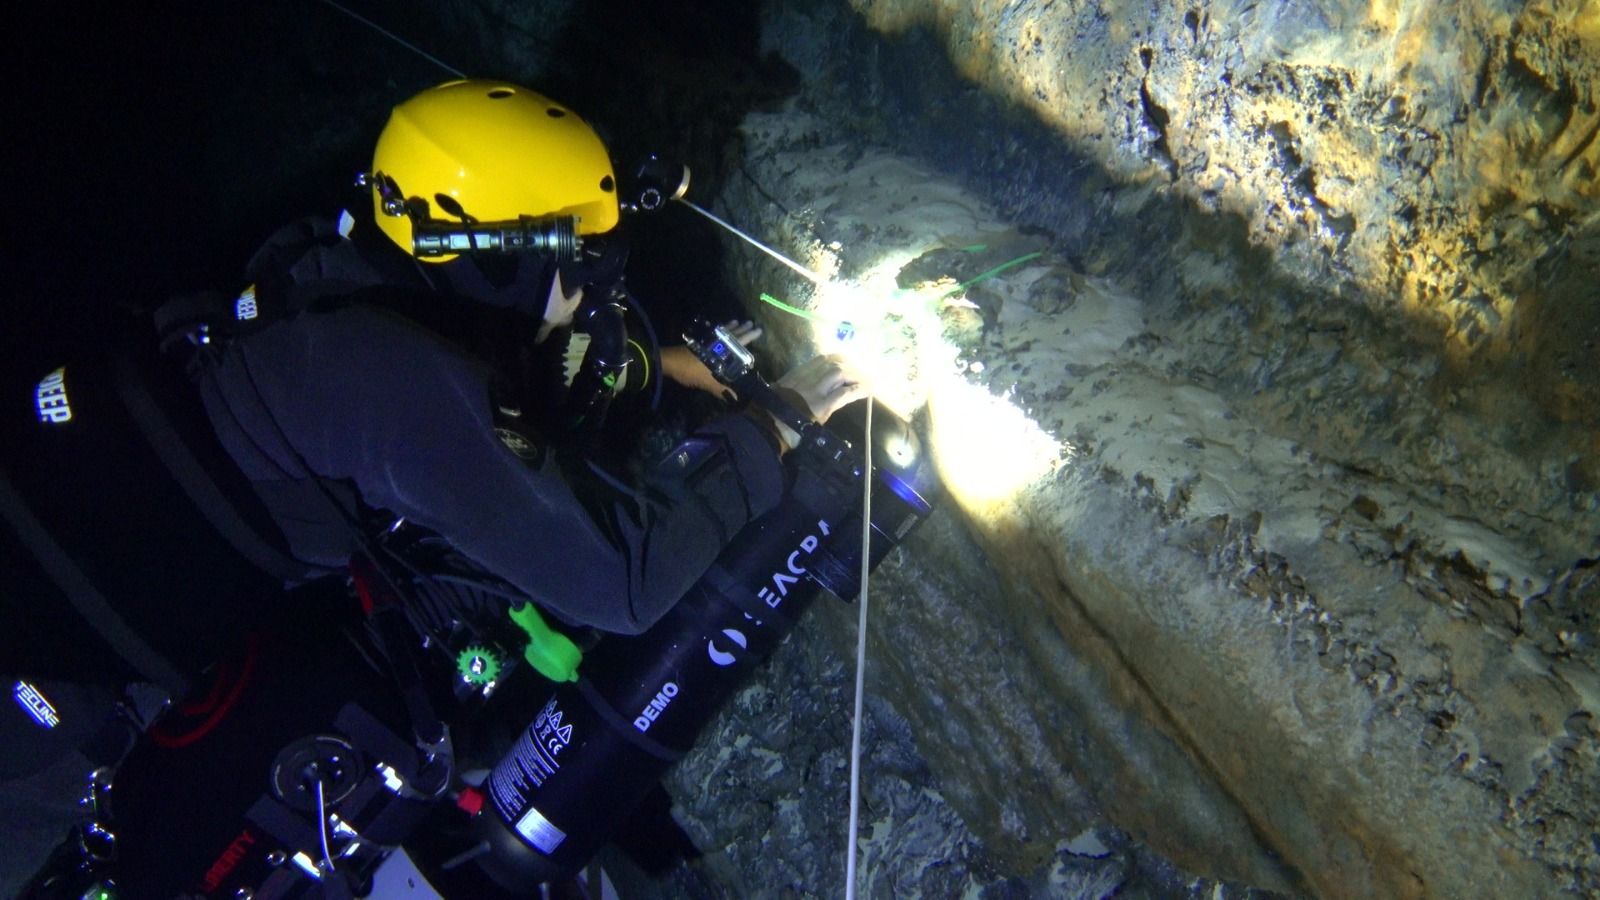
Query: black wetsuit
[(352, 409), (364, 396)]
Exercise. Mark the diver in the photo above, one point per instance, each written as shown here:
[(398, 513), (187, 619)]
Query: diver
[(360, 393), (417, 367)]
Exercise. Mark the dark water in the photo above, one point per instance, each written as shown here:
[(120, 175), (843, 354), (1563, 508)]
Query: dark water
[(154, 145)]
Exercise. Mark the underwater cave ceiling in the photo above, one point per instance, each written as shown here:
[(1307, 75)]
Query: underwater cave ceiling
[(1256, 342)]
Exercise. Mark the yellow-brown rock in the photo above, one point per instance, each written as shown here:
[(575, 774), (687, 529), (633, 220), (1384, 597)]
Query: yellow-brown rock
[(1304, 592)]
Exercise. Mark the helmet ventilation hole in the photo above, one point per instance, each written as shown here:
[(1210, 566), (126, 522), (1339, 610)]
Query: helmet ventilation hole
[(606, 184), (500, 93), (555, 113)]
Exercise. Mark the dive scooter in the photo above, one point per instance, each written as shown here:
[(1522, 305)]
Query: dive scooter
[(597, 745)]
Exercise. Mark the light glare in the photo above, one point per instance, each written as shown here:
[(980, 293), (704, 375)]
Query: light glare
[(985, 447)]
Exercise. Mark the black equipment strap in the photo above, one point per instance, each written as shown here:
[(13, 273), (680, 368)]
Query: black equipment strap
[(83, 595), (394, 635), (191, 475), (133, 713), (367, 733), (179, 318)]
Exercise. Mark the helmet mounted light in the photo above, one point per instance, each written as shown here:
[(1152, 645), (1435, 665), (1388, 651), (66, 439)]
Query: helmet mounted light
[(555, 236), (434, 238)]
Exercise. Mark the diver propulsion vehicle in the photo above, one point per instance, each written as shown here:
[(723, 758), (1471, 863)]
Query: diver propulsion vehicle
[(597, 745), (329, 762)]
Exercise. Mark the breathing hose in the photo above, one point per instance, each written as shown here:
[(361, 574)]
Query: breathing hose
[(592, 390)]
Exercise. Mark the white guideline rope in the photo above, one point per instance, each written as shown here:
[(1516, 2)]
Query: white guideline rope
[(398, 40), (861, 659), (795, 267)]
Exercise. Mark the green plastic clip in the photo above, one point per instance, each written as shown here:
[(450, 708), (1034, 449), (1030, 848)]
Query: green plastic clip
[(551, 653)]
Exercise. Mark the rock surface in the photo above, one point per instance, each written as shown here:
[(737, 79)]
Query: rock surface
[(765, 794), (1281, 568), (1438, 155), (1295, 578)]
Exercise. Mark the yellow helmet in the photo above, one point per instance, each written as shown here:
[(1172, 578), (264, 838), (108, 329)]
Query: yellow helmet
[(498, 151)]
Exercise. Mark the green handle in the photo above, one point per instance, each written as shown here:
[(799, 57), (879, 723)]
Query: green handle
[(551, 653)]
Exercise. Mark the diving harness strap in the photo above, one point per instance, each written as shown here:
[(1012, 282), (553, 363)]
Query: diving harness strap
[(197, 483), (85, 597)]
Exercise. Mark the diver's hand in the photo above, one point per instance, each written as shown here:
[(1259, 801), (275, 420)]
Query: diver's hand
[(682, 366), (819, 387), (823, 384)]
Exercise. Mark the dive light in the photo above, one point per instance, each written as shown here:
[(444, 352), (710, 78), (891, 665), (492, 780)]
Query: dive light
[(553, 235)]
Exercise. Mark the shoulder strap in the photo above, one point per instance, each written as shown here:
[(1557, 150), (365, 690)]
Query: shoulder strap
[(193, 477), (298, 264)]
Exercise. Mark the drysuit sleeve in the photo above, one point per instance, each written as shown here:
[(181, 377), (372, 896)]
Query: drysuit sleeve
[(363, 395)]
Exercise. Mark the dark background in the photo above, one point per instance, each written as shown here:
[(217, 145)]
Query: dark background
[(152, 146)]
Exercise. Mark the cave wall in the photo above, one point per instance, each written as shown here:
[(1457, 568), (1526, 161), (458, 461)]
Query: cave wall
[(1306, 597), (1434, 153)]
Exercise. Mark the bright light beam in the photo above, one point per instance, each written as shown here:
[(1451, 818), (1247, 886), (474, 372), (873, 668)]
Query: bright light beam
[(986, 448)]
